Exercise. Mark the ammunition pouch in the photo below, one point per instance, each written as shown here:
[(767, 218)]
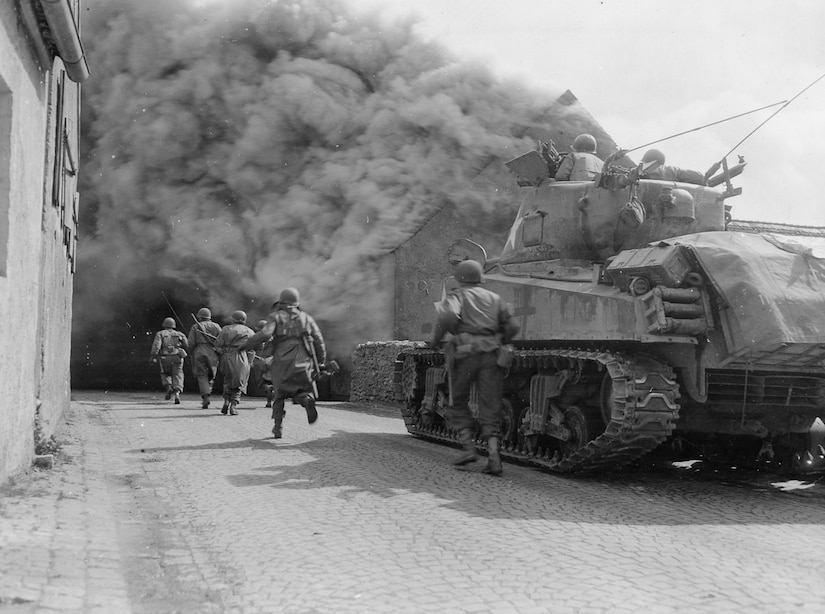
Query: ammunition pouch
[(466, 344)]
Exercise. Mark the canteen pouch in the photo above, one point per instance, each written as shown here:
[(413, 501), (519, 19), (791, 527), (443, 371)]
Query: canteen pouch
[(504, 357)]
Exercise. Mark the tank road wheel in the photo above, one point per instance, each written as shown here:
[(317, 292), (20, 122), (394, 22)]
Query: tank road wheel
[(583, 428), (525, 444)]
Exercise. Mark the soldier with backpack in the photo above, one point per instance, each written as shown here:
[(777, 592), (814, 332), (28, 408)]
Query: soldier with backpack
[(169, 348), (298, 351)]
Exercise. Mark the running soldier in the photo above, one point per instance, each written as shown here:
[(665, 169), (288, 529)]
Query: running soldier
[(168, 351), (234, 362), (201, 339), (298, 351)]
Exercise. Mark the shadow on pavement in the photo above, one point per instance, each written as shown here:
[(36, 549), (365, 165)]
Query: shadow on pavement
[(203, 414), (221, 445), (398, 465)]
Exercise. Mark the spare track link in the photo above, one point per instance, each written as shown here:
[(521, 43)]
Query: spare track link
[(644, 410)]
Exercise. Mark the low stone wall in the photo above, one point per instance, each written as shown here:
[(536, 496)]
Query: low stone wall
[(373, 375)]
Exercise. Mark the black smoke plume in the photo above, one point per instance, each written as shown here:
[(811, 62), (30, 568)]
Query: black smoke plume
[(233, 149)]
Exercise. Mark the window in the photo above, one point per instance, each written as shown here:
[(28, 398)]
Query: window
[(64, 190)]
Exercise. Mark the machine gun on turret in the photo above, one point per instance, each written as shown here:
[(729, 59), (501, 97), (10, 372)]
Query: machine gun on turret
[(551, 156)]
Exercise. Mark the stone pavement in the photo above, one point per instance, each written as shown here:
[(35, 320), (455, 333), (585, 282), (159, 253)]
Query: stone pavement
[(160, 508)]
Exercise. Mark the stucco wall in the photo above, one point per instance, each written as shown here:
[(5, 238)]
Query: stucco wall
[(421, 266), (35, 274)]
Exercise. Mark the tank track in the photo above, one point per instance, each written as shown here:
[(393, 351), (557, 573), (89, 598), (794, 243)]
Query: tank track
[(643, 412)]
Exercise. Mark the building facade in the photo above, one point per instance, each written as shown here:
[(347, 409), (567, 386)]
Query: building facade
[(41, 67)]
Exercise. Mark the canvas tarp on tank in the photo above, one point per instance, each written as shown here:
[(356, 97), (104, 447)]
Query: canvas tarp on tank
[(774, 287)]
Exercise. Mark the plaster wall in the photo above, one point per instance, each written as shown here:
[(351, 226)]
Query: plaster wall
[(35, 271), (421, 266)]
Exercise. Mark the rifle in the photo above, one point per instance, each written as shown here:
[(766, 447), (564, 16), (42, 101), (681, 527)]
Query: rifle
[(331, 368), (175, 313), (316, 368), (200, 328)]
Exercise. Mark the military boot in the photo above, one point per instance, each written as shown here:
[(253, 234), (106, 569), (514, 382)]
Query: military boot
[(270, 395), (205, 403), (168, 393), (225, 408), (493, 457), (177, 397), (308, 402), (232, 410), (277, 417), (469, 455)]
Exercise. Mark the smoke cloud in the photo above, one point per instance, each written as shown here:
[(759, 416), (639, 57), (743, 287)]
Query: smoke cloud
[(233, 149)]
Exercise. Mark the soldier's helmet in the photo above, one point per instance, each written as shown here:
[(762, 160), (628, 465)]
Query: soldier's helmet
[(585, 143), (468, 272), (260, 324), (654, 155), (289, 297), (169, 323), (239, 316), (204, 314)]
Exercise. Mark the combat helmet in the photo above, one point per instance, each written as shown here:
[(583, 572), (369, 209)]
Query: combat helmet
[(169, 323), (654, 155), (239, 316), (584, 143), (289, 297), (204, 314), (468, 272)]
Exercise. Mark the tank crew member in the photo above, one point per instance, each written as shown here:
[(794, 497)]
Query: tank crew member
[(201, 339), (669, 173), (234, 361), (168, 350), (479, 322), (581, 163), (298, 352)]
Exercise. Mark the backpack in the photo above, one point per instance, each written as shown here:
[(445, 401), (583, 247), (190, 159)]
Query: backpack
[(169, 343)]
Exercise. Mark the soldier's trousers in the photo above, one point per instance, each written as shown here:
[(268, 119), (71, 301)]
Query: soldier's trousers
[(488, 377), (279, 400), (232, 395), (204, 371), (171, 372), (204, 385)]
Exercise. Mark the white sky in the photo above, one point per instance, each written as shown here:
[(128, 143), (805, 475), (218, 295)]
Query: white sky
[(647, 69)]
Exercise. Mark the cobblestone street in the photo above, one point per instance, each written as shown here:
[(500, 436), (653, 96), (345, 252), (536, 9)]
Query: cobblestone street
[(154, 507)]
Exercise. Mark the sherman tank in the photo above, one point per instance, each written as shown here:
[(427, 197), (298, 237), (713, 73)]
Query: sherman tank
[(645, 325)]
